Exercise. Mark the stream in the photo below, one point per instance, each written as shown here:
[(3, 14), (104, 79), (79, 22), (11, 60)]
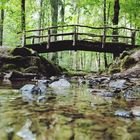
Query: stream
[(75, 113)]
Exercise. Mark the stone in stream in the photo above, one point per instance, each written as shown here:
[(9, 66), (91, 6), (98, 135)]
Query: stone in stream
[(102, 92), (28, 91), (123, 113), (136, 111), (61, 83), (96, 81), (25, 133), (118, 84), (133, 93)]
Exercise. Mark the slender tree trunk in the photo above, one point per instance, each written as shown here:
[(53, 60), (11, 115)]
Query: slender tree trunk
[(54, 19), (23, 24), (40, 18), (116, 22), (116, 18), (104, 39), (105, 61), (1, 26), (108, 13), (104, 34), (99, 61)]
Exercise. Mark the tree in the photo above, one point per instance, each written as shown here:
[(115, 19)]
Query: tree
[(1, 25), (40, 17), (23, 24), (116, 18), (104, 36)]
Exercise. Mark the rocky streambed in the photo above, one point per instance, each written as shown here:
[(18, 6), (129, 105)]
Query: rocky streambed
[(92, 107)]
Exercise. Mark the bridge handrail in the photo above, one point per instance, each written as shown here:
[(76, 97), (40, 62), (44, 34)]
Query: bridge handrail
[(76, 32), (78, 25), (65, 34)]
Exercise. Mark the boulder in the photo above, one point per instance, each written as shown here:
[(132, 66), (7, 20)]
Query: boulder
[(32, 69), (123, 113), (118, 84), (127, 65), (22, 51), (132, 93), (8, 67), (25, 60), (19, 75), (128, 62), (136, 111), (31, 92), (62, 83)]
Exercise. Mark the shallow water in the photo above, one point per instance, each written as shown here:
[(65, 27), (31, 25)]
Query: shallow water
[(70, 114)]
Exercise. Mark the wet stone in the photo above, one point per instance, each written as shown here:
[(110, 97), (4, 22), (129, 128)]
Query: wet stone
[(61, 83), (119, 84), (102, 92), (133, 93), (136, 111), (123, 113)]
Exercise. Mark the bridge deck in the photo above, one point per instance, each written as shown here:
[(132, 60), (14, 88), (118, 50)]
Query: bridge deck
[(115, 48)]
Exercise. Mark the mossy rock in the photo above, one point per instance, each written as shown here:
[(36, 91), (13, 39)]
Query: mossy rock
[(19, 61), (21, 51), (32, 69), (127, 62), (49, 68), (33, 60), (124, 54), (8, 67), (114, 70)]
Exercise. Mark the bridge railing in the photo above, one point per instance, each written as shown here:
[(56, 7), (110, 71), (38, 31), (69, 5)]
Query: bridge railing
[(79, 32)]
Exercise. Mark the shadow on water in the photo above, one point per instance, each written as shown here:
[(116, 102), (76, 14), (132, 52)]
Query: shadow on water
[(68, 114)]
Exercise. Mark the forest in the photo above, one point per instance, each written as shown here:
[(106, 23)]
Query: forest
[(69, 69), (17, 16)]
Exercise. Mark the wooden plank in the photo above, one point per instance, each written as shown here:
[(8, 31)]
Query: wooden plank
[(80, 45)]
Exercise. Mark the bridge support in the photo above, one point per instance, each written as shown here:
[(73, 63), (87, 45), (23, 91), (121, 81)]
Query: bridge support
[(115, 55)]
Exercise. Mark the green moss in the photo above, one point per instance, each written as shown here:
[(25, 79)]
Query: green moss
[(8, 67), (32, 69), (21, 51), (125, 53), (127, 62), (114, 70)]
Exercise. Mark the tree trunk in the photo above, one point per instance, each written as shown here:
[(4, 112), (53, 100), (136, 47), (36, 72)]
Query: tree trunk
[(116, 19), (40, 18), (54, 18), (23, 24), (104, 34), (105, 61), (54, 15), (1, 26)]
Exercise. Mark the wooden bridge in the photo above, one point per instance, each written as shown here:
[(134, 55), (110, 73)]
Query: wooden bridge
[(80, 37)]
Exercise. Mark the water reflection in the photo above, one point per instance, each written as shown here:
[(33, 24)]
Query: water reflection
[(70, 114)]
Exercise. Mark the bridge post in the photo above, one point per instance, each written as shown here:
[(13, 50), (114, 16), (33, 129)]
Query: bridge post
[(33, 40), (23, 40), (133, 38), (49, 39), (75, 37)]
